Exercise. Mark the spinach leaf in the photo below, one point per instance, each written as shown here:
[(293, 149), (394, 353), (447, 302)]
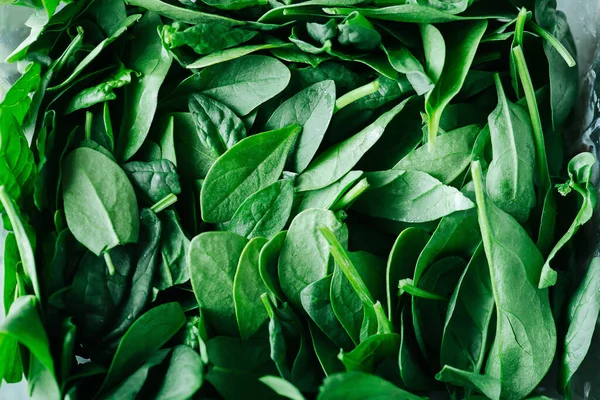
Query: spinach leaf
[(317, 303), (232, 54), (371, 351), (247, 167), (173, 268), (247, 288), (413, 369), (152, 61), (583, 311), (241, 84), (305, 256), (338, 160), (311, 109), (100, 205), (461, 46), (266, 212), (523, 329), (146, 335), (406, 63), (509, 179), (328, 196), (194, 159), (401, 264), (207, 38), (359, 385), (409, 196), (156, 179), (213, 257), (184, 376), (448, 159), (217, 126), (468, 318), (326, 352), (579, 169), (358, 32), (489, 386), (282, 387), (267, 264)]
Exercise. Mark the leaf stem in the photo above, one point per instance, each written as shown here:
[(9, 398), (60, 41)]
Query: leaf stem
[(536, 122), (355, 95), (166, 201), (268, 306), (520, 26), (408, 286), (383, 323), (353, 194), (109, 263), (89, 118), (554, 42)]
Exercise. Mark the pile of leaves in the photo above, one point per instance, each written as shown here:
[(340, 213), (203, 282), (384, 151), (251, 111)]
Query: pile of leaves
[(336, 199)]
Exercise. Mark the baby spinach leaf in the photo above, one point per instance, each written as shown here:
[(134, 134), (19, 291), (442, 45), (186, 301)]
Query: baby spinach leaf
[(241, 84), (409, 196), (233, 53), (311, 109), (461, 46), (16, 100), (247, 167), (207, 38), (338, 160), (282, 387), (141, 281), (100, 205), (328, 196), (194, 158), (156, 179), (152, 61), (173, 268), (146, 335), (217, 126), (92, 55), (412, 13), (358, 32), (184, 375), (305, 256), (267, 264), (213, 257), (247, 288), (406, 63), (413, 369), (488, 385), (583, 311), (25, 239), (326, 352), (317, 303), (401, 264), (265, 213), (523, 329), (448, 159), (346, 304), (579, 169), (468, 318), (359, 385), (510, 175)]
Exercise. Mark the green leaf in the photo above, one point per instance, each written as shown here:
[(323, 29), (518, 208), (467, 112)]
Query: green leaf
[(218, 128), (247, 288), (311, 109), (489, 386), (406, 63), (247, 167), (523, 329), (149, 58), (146, 335), (91, 185), (448, 159), (470, 311), (16, 100), (461, 45), (207, 38), (409, 196), (232, 54), (328, 196), (360, 386), (267, 264), (339, 159), (509, 179), (584, 308), (194, 159), (282, 387), (265, 213), (580, 169), (156, 179), (356, 31), (305, 256), (241, 84), (371, 351), (173, 268), (184, 376), (213, 257)]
